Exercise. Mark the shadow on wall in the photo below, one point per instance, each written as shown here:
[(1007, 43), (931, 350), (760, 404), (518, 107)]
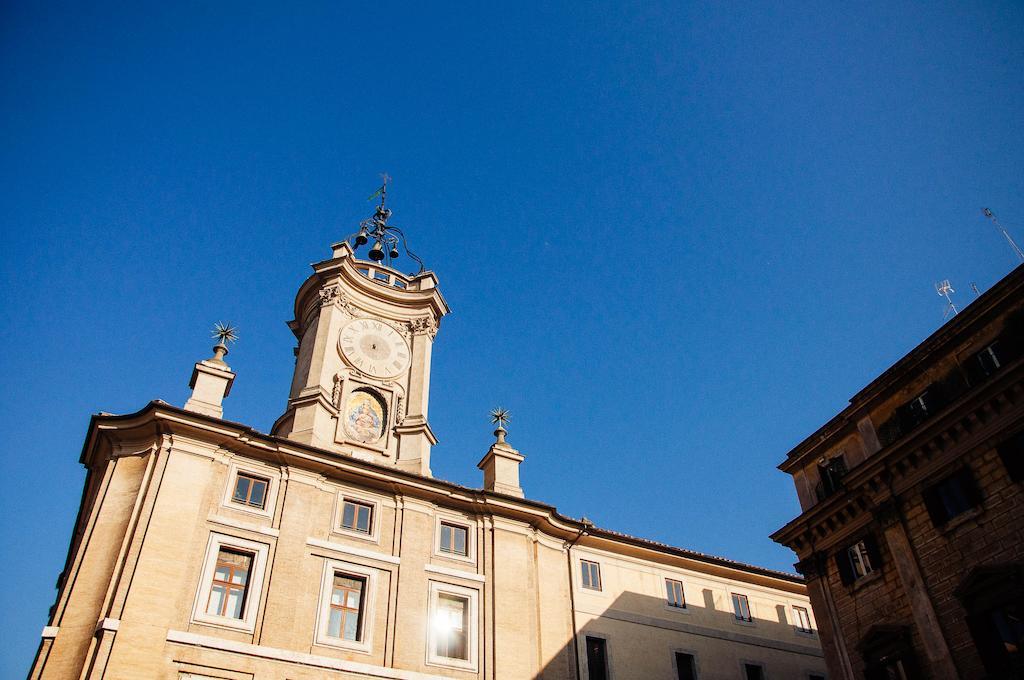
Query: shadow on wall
[(637, 636)]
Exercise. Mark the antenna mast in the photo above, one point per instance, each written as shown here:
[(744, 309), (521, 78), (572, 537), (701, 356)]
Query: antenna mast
[(943, 288), (989, 214)]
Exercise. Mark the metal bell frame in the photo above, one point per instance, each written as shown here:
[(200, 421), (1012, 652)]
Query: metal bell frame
[(385, 237)]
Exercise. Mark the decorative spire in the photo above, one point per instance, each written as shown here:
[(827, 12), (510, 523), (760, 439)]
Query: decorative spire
[(223, 333), (500, 417), (385, 237)]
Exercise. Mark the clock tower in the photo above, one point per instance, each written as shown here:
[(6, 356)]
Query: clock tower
[(362, 370)]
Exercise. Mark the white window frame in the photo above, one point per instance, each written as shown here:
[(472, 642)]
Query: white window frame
[(374, 503), (735, 614), (254, 586), (436, 589), (257, 470), (796, 619), (600, 576), (365, 645), (682, 587), (860, 560), (469, 525)]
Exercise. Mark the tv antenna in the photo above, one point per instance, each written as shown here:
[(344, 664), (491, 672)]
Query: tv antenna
[(944, 288), (991, 215)]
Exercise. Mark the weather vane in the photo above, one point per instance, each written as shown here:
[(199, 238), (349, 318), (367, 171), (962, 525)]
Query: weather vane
[(385, 237), (223, 333)]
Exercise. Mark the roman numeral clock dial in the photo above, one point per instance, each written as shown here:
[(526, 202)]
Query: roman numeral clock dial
[(374, 347)]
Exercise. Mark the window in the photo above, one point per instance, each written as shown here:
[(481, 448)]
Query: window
[(686, 667), (753, 671), (346, 606), (1012, 454), (888, 654), (741, 607), (250, 490), (590, 574), (831, 474), (230, 584), (802, 619), (345, 620), (993, 597), (357, 516), (228, 592), (951, 497), (674, 593), (597, 658), (988, 359), (858, 560), (451, 640), (454, 539), (452, 626)]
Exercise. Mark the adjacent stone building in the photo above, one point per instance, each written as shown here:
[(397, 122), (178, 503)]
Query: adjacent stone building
[(912, 531), (204, 549)]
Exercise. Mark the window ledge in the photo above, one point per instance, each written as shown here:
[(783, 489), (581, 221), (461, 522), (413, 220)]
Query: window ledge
[(741, 622), (678, 610), (866, 580), (963, 518)]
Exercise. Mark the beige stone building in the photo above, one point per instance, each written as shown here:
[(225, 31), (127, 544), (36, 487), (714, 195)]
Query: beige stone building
[(325, 549)]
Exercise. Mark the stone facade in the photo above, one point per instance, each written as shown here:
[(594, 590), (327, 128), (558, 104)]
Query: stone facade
[(205, 549), (912, 530)]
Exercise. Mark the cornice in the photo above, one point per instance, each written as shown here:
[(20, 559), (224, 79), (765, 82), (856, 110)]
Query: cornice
[(160, 417), (980, 312), (343, 268), (872, 488)]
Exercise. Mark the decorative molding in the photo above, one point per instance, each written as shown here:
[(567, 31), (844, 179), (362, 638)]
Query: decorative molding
[(288, 656), (423, 325), (457, 573), (247, 526), (50, 632), (400, 409), (355, 552)]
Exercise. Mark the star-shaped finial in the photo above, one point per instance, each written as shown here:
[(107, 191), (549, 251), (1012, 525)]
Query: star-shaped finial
[(500, 416), (224, 332)]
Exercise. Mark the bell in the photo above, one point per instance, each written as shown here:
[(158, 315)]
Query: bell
[(377, 252), (393, 253), (361, 238)]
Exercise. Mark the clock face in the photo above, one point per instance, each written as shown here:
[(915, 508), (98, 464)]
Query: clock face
[(374, 347)]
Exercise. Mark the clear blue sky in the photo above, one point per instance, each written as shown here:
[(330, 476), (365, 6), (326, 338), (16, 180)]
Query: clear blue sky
[(676, 238)]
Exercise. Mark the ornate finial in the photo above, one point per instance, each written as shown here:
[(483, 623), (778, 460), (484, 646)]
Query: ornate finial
[(223, 333), (500, 417), (385, 237)]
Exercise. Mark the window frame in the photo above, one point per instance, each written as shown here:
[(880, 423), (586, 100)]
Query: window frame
[(797, 623), (744, 663), (463, 522), (694, 657), (345, 496), (859, 557), (252, 469), (584, 648), (959, 485), (600, 580), (682, 594), (369, 576), (472, 596), (254, 586), (746, 601)]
